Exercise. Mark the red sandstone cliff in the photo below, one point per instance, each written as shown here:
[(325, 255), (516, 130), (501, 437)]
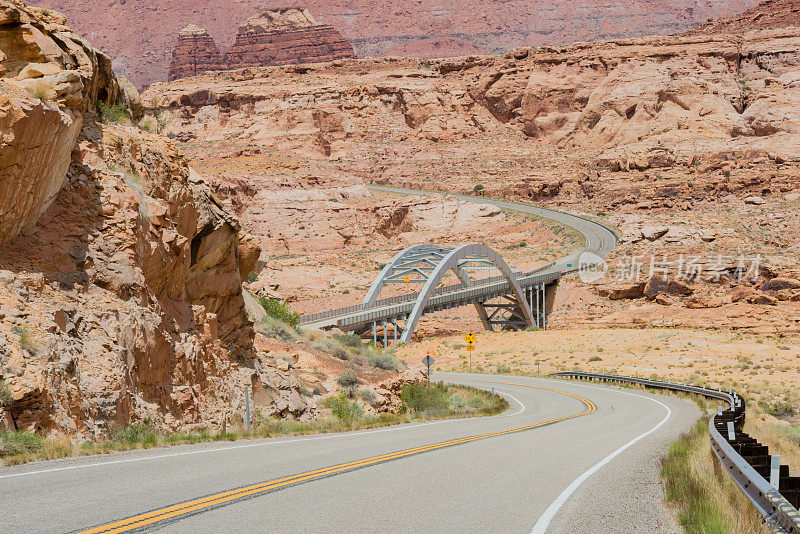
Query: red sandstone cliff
[(141, 44), (194, 53), (766, 15), (272, 37)]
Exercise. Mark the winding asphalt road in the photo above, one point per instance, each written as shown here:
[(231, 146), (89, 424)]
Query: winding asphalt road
[(598, 239), (566, 457)]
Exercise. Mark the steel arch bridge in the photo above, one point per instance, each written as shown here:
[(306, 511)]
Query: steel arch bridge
[(510, 301)]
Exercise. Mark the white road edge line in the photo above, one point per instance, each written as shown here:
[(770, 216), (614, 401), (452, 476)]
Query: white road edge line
[(244, 446), (544, 520)]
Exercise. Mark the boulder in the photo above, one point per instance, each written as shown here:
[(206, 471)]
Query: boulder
[(657, 285), (754, 200)]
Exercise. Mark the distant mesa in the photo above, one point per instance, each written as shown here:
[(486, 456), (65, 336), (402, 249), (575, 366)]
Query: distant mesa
[(435, 48), (273, 37)]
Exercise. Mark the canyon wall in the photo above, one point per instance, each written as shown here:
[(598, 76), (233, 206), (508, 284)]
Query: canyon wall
[(120, 271), (141, 45), (272, 37)]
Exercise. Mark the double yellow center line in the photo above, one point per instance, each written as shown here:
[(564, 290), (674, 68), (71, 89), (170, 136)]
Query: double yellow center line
[(190, 507)]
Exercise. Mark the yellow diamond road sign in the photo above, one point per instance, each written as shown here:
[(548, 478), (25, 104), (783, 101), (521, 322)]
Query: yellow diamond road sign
[(406, 279), (470, 338)]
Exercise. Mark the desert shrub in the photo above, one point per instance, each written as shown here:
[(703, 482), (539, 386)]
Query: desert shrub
[(476, 403), (27, 342), (778, 409), (478, 187), (276, 328), (457, 402), (304, 391), (422, 398), (251, 277), (14, 443), (332, 347), (134, 435), (348, 340), (385, 360), (367, 395), (278, 309), (115, 113), (503, 369), (347, 379), (42, 92), (148, 124), (595, 359), (343, 408)]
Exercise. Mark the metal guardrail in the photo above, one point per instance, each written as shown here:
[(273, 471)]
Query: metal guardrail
[(777, 511)]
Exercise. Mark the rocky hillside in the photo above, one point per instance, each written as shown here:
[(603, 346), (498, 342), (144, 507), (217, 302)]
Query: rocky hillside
[(120, 271), (695, 136), (272, 37), (140, 36), (766, 15)]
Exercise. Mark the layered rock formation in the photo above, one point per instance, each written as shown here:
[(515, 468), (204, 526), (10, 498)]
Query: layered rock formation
[(142, 49), (46, 83), (272, 37), (435, 48), (120, 271), (766, 15), (195, 52)]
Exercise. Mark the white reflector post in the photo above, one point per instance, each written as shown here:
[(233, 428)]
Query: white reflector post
[(775, 471)]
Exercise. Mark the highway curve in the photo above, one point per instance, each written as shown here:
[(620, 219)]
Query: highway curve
[(566, 457), (599, 239)]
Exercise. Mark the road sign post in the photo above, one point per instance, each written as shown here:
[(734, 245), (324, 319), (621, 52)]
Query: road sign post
[(470, 338), (428, 361)]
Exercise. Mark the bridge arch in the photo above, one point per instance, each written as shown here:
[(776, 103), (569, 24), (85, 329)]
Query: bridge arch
[(455, 259)]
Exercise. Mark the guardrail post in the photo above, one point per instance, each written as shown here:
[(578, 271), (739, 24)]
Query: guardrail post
[(775, 471), (731, 432)]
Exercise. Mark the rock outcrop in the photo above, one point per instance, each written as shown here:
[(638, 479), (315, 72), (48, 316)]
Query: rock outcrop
[(46, 81), (195, 52), (272, 37), (120, 271), (766, 15)]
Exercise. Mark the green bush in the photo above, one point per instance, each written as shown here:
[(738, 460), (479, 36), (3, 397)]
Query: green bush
[(503, 369), (478, 187), (115, 113), (347, 379), (457, 403), (134, 434), (385, 360), (423, 398), (251, 277), (343, 408), (278, 309), (14, 443)]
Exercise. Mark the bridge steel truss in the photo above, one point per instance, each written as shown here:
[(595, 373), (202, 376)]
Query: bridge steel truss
[(512, 301)]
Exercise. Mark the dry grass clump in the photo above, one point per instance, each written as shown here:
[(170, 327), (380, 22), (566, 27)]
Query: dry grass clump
[(706, 499)]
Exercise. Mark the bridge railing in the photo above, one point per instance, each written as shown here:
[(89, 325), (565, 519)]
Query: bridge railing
[(408, 297)]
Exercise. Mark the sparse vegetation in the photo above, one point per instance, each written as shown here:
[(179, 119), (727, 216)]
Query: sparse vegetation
[(42, 92), (272, 327), (343, 408), (367, 395), (251, 277), (384, 360), (707, 499), (278, 309), (347, 379), (115, 113), (20, 443), (477, 188)]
